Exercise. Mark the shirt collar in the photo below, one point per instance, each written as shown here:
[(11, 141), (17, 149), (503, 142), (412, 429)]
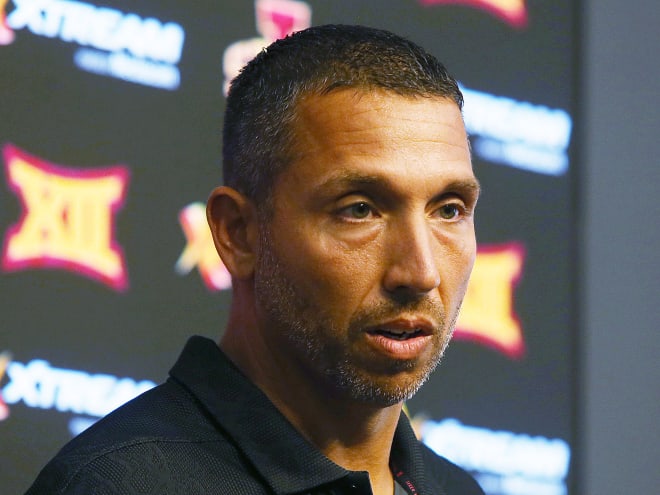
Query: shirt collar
[(281, 455)]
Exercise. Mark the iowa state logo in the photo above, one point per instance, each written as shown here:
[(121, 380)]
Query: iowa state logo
[(275, 19), (67, 218)]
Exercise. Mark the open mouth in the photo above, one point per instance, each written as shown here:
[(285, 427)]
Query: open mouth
[(402, 338), (398, 335)]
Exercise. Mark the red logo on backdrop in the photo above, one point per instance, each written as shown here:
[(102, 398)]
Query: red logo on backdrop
[(275, 20), (278, 18), (513, 12), (67, 220)]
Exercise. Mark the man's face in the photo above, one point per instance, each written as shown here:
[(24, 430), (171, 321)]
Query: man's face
[(365, 261)]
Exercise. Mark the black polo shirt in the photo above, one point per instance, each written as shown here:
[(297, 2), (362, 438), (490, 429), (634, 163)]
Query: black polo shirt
[(209, 430)]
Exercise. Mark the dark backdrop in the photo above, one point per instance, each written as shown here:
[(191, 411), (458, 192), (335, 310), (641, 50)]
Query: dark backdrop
[(102, 282)]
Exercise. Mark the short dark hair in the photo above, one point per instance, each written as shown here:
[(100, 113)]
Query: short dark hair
[(258, 140)]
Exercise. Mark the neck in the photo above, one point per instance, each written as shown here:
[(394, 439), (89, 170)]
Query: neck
[(353, 434)]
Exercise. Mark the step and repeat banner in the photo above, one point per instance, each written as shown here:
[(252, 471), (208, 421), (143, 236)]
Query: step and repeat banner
[(110, 122)]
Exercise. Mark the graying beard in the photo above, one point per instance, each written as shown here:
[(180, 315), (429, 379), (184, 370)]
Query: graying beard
[(280, 302)]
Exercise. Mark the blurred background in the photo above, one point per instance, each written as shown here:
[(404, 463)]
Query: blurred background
[(110, 122)]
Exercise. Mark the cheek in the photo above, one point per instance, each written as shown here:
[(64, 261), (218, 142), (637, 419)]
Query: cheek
[(329, 272), (457, 262)]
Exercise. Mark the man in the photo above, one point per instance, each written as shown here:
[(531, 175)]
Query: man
[(346, 223)]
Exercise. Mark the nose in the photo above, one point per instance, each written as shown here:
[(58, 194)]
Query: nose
[(412, 265)]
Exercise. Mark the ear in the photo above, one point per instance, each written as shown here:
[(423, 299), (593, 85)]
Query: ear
[(233, 221)]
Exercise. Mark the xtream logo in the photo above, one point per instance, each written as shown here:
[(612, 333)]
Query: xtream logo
[(112, 43), (39, 385)]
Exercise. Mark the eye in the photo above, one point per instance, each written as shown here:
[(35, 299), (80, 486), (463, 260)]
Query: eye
[(357, 211), (450, 211)]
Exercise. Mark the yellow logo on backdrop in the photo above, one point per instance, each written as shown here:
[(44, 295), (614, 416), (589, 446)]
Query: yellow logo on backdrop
[(67, 220), (6, 33), (487, 314)]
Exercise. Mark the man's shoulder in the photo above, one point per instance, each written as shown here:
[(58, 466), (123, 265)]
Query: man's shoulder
[(453, 479), (160, 442), (166, 413)]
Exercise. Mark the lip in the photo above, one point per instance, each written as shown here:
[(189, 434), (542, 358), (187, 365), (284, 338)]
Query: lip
[(403, 338)]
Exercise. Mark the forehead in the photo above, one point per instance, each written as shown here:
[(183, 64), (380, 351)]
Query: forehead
[(351, 108), (378, 133)]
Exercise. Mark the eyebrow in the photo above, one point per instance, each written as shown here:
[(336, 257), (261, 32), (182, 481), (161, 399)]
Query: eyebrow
[(469, 186), (353, 179)]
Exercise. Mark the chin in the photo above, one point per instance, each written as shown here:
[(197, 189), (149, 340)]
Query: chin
[(381, 391)]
